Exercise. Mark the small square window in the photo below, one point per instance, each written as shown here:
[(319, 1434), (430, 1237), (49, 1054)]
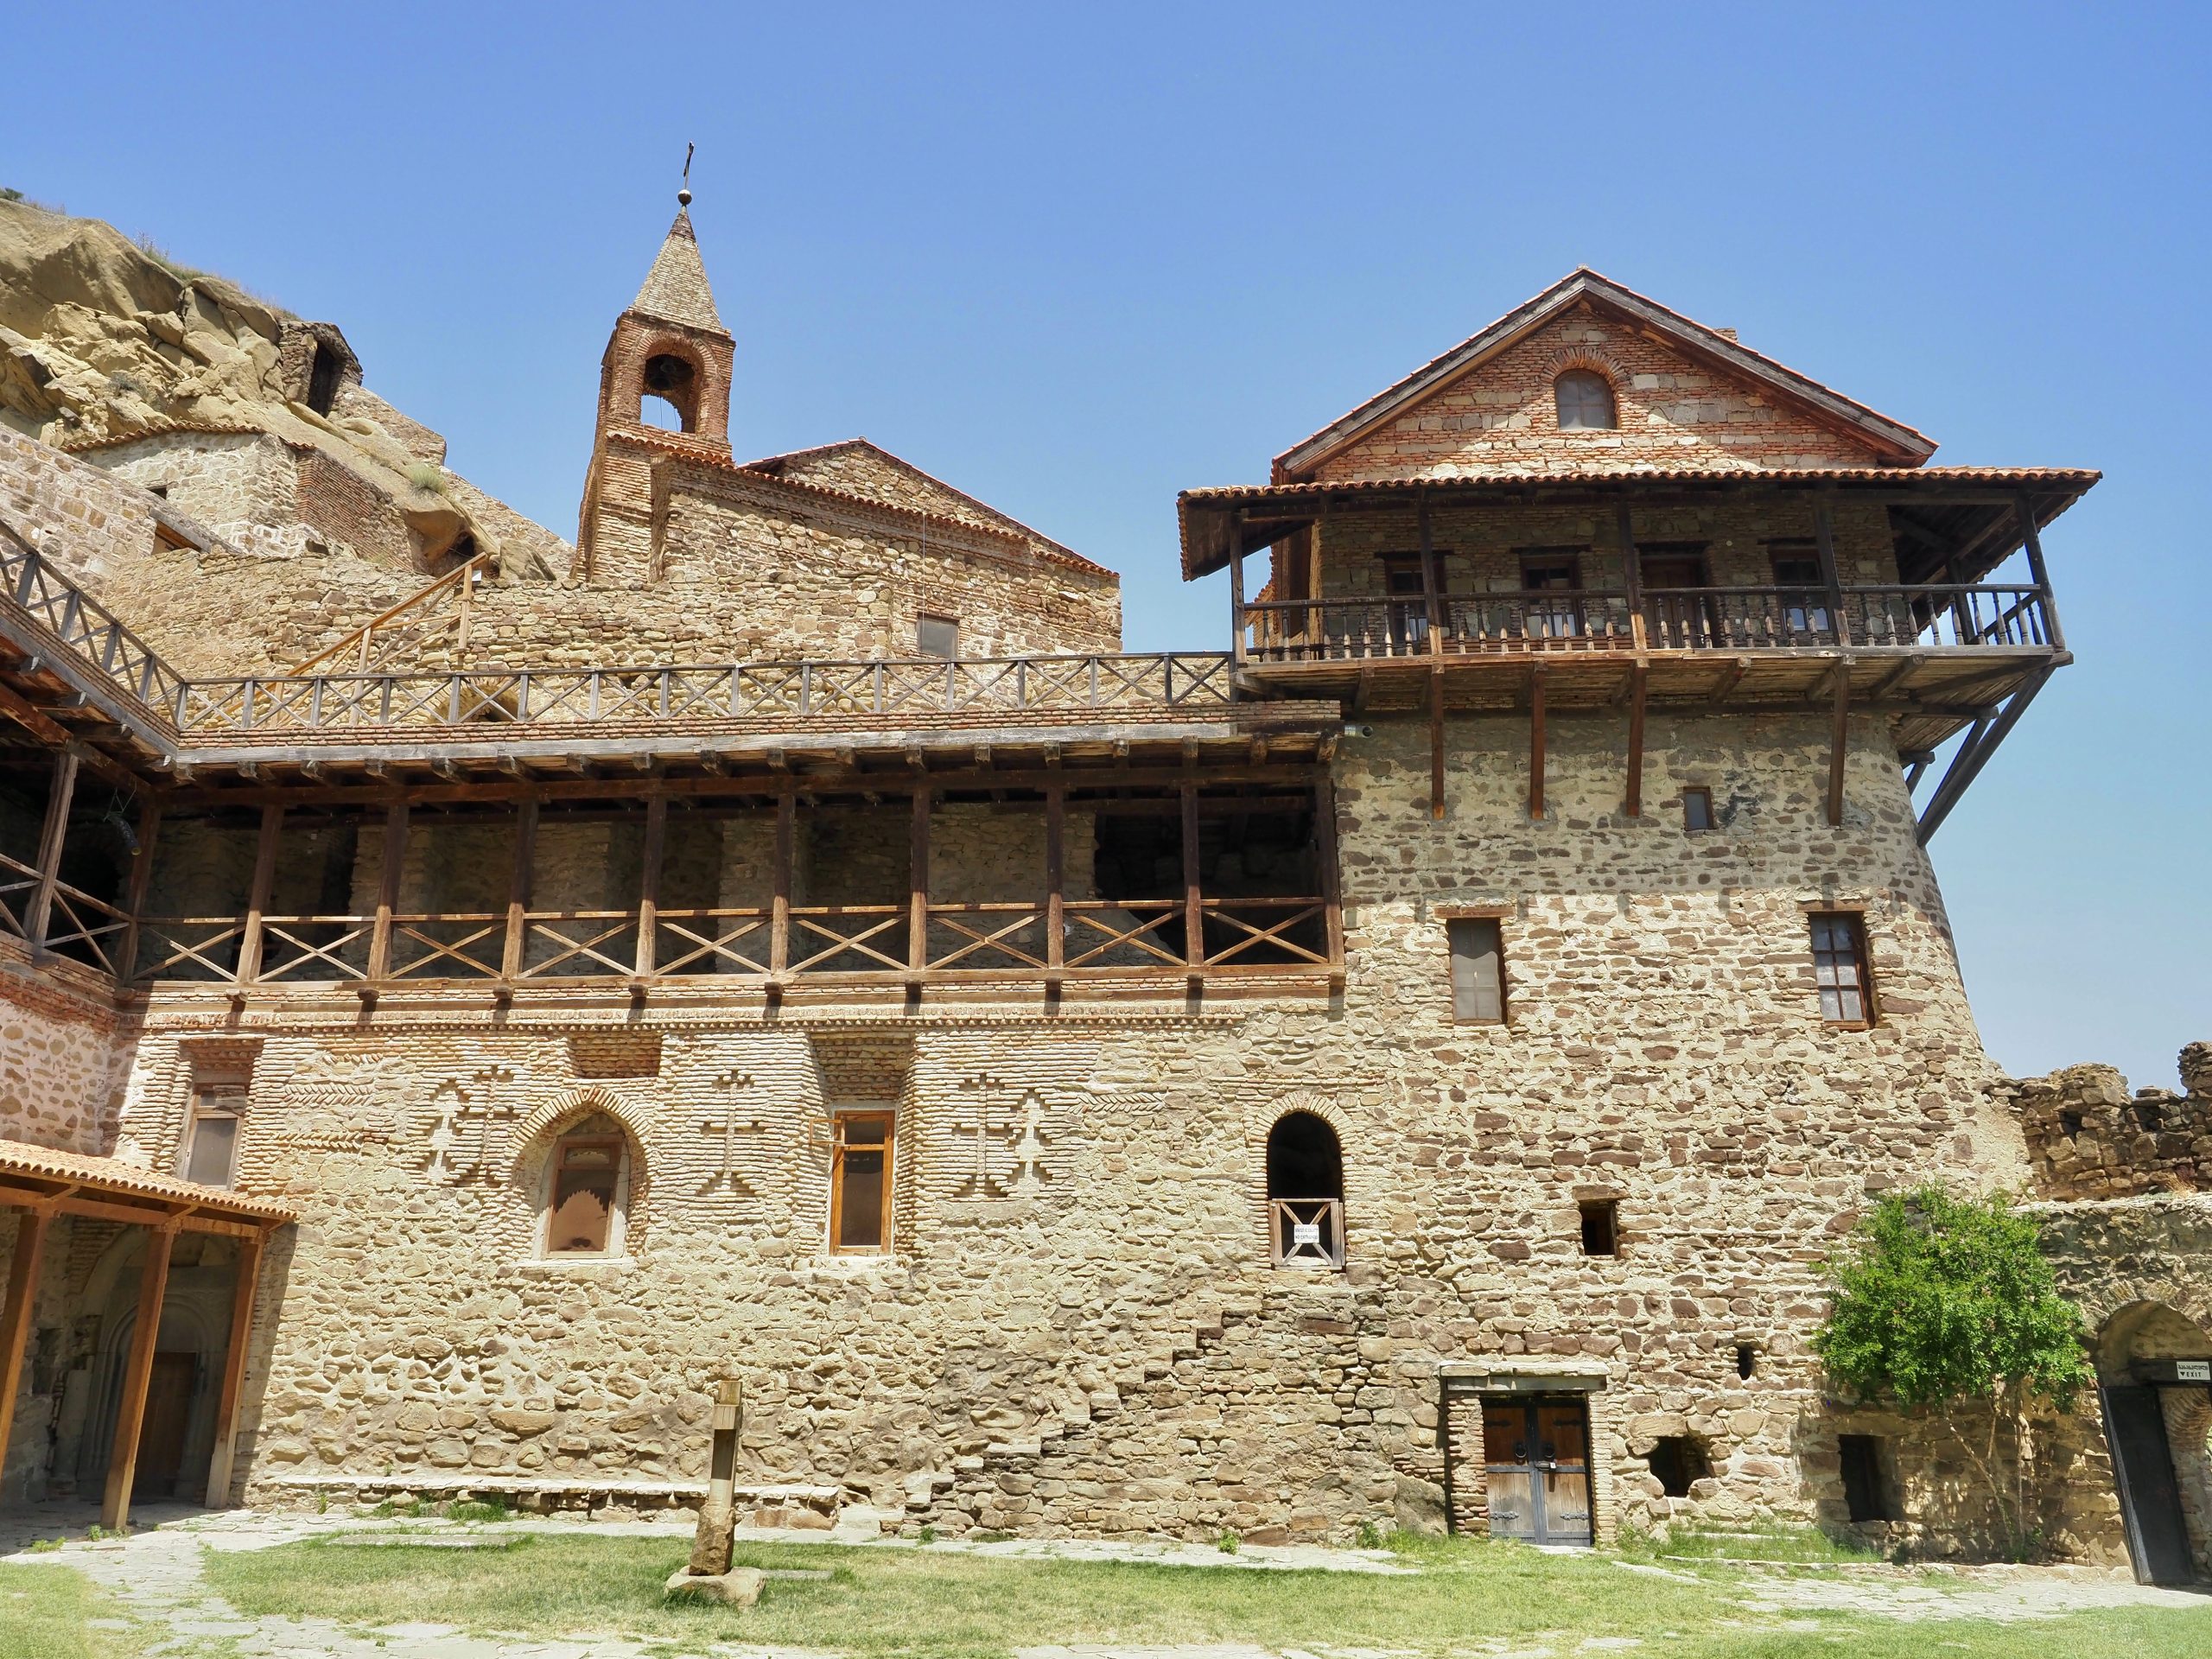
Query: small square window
[(1840, 968), (1601, 1223), (1697, 811), (1477, 970), (211, 1149), (937, 636)]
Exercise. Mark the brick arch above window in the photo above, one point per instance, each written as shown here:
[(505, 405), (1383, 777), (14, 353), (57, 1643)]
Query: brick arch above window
[(540, 1129)]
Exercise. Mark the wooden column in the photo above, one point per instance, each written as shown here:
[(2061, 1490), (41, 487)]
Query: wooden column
[(514, 954), (52, 833), (918, 886), (234, 1361), (137, 1371), (264, 878), (1325, 847), (134, 902), (1838, 741), (1056, 836), (1431, 603), (1194, 915), (1638, 675), (2032, 541), (1536, 742), (1237, 589), (656, 852), (1824, 538), (780, 902), (15, 1317), (395, 855)]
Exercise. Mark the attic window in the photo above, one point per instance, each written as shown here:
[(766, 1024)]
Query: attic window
[(1585, 402), (937, 636)]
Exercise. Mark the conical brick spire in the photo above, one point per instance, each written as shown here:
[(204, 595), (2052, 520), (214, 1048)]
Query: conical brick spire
[(676, 287)]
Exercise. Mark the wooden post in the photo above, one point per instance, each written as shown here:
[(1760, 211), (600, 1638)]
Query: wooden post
[(395, 853), (55, 831), (1056, 835), (1824, 536), (264, 878), (1839, 739), (656, 852), (15, 1318), (2032, 541), (1637, 675), (137, 1371), (780, 902), (234, 1361), (514, 954), (1237, 589), (1432, 606), (1194, 915), (1325, 846), (917, 884), (142, 876), (1536, 742)]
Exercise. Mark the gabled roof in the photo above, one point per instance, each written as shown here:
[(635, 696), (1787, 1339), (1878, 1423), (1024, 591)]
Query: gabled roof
[(675, 289), (1898, 443), (791, 466)]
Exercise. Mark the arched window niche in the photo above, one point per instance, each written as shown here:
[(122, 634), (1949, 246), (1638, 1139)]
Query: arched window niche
[(1585, 402), (668, 399), (583, 1191), (1305, 1192)]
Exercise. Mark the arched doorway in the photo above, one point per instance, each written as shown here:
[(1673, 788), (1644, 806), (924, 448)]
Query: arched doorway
[(2154, 1380), (1305, 1192)]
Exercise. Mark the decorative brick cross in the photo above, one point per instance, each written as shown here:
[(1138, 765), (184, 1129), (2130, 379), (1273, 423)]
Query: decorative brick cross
[(471, 1108), (1017, 1158), (729, 1126)]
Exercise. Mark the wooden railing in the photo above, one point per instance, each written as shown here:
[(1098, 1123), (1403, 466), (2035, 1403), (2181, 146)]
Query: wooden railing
[(82, 626), (79, 925), (1937, 616), (1306, 1232)]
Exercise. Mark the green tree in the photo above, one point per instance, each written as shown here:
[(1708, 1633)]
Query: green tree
[(1941, 1300)]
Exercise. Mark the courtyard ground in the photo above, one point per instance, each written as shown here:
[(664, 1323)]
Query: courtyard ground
[(245, 1587)]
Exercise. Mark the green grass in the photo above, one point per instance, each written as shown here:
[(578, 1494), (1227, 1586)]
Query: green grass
[(1801, 1545), (937, 1604), (46, 1613)]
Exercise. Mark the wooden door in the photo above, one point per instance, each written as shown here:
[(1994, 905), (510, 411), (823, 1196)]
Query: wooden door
[(168, 1414), (2150, 1497), (1536, 1461), (1679, 622)]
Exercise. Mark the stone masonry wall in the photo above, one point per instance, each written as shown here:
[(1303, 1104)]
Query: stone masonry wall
[(1502, 417), (63, 1054), (2087, 1138), (1077, 1328)]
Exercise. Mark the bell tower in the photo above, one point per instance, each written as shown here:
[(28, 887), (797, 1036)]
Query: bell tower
[(671, 356)]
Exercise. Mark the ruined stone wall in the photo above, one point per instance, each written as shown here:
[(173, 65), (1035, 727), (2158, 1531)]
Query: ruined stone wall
[(64, 1053), (2087, 1138), (1078, 1327), (1503, 417)]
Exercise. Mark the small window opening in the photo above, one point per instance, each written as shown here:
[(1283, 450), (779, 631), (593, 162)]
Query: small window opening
[(1747, 1360), (859, 1182), (1840, 968), (2148, 1118), (1866, 1483), (2071, 1123), (586, 1177), (937, 636), (1679, 1460), (1477, 968), (1585, 402), (1306, 1191), (162, 490), (211, 1151), (1600, 1226), (323, 376), (1697, 811)]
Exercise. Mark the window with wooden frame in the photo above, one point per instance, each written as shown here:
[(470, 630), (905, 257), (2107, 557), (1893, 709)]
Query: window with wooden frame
[(1408, 597), (210, 1154), (1839, 967), (1796, 566), (1552, 570), (584, 1212), (1477, 968), (1585, 402), (1697, 810), (860, 1181), (937, 636)]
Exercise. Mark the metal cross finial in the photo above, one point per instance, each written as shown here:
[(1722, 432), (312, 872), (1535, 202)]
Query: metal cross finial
[(683, 195)]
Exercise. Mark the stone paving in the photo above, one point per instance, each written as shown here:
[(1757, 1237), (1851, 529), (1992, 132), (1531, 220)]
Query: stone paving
[(156, 1573)]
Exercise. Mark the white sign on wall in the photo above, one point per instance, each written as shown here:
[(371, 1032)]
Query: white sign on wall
[(2193, 1371), (1305, 1232)]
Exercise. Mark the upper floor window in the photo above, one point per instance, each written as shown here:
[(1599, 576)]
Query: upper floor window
[(210, 1140), (937, 636), (1306, 1191), (584, 1210), (1477, 970), (860, 1181), (1585, 402), (1840, 968)]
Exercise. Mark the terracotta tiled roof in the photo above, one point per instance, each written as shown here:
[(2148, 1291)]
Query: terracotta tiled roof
[(211, 428), (113, 1176)]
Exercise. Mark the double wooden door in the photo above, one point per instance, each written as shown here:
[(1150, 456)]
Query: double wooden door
[(1537, 1460)]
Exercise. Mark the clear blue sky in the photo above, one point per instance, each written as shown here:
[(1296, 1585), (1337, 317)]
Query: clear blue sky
[(1073, 260)]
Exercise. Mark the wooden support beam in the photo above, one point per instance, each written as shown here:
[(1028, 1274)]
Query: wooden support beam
[(1898, 671), (514, 953), (1237, 647), (1536, 742), (917, 884), (1730, 672), (1638, 675), (2031, 540), (1973, 754), (1432, 602), (1056, 822), (138, 1372), (52, 835), (1436, 743), (134, 898), (656, 852), (395, 855), (1916, 768), (1325, 847), (15, 1316), (264, 878), (779, 900), (1838, 741), (1631, 575), (227, 1402), (1194, 940), (33, 719)]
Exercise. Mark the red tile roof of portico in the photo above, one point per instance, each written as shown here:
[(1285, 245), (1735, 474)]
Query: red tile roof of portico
[(80, 1176)]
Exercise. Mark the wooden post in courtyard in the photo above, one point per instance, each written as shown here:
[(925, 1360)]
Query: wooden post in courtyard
[(15, 1318), (649, 884), (918, 888), (265, 877), (55, 830), (779, 901), (137, 1373), (395, 853)]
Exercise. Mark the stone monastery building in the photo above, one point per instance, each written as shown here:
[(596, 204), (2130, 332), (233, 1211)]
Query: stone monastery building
[(464, 994)]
